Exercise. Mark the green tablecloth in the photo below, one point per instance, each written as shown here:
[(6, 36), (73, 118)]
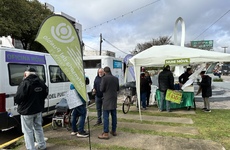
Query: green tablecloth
[(187, 100)]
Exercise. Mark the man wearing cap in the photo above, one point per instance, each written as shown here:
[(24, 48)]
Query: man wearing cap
[(30, 97), (166, 81)]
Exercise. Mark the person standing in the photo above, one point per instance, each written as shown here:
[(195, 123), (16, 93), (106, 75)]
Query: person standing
[(79, 111), (147, 76), (30, 97), (166, 81), (143, 90), (109, 87), (206, 88), (183, 78), (217, 71), (98, 94)]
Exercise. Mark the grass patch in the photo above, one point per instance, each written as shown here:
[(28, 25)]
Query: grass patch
[(218, 80), (85, 144), (211, 126)]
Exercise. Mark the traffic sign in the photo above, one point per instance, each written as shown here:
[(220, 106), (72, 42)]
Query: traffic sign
[(204, 44)]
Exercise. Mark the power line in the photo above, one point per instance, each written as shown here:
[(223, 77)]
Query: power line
[(90, 47), (213, 24), (114, 46), (121, 16)]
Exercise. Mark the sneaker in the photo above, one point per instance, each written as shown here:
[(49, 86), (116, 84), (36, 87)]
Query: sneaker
[(207, 110), (160, 110), (203, 108), (82, 134), (169, 111), (73, 133)]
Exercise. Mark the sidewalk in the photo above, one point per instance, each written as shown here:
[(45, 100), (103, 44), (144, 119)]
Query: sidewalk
[(133, 134)]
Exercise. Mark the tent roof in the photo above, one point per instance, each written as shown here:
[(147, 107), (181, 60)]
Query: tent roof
[(156, 55)]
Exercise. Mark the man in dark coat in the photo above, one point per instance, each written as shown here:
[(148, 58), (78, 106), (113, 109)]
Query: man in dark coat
[(109, 87), (185, 76), (143, 90), (30, 98), (206, 88), (147, 76), (166, 81), (98, 94)]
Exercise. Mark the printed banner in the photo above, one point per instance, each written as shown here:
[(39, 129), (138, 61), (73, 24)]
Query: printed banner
[(181, 61), (173, 96), (61, 40)]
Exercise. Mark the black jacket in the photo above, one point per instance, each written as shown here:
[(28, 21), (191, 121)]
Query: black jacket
[(31, 95), (206, 87), (149, 83), (166, 80), (96, 86), (144, 85), (184, 77)]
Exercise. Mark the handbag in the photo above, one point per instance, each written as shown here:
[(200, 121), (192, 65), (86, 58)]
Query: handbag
[(73, 100)]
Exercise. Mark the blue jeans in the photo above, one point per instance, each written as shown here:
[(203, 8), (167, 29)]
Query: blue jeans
[(143, 99), (80, 112), (163, 94), (106, 120), (99, 108), (32, 127)]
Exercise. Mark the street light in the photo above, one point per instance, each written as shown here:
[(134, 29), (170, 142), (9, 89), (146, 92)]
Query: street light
[(224, 47)]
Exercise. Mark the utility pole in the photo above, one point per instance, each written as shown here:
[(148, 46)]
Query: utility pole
[(224, 47), (100, 42)]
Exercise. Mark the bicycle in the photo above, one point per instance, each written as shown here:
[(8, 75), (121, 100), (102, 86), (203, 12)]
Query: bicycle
[(130, 99)]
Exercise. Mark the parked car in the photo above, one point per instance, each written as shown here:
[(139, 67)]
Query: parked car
[(225, 69)]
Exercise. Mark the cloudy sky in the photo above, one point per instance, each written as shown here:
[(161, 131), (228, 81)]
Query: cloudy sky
[(124, 24)]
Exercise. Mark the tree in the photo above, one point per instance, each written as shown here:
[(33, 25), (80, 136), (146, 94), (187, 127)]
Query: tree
[(21, 20), (162, 40)]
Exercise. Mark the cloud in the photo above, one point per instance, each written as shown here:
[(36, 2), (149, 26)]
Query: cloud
[(202, 20)]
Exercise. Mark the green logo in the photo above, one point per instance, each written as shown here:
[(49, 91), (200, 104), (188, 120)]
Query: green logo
[(60, 39)]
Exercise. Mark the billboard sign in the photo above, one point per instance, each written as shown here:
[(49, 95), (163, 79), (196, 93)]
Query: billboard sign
[(204, 44)]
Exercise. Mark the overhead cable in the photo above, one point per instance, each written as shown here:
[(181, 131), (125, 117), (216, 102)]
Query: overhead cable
[(213, 24), (120, 16), (114, 46)]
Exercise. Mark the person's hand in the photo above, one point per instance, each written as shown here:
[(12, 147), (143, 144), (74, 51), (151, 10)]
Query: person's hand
[(94, 91)]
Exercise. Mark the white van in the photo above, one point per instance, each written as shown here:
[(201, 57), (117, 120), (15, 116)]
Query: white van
[(13, 63), (93, 63)]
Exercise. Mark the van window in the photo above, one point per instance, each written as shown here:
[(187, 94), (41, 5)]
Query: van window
[(16, 72), (57, 75), (92, 63), (211, 68)]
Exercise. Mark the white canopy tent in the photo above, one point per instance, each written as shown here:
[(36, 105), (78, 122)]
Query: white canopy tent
[(156, 55)]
